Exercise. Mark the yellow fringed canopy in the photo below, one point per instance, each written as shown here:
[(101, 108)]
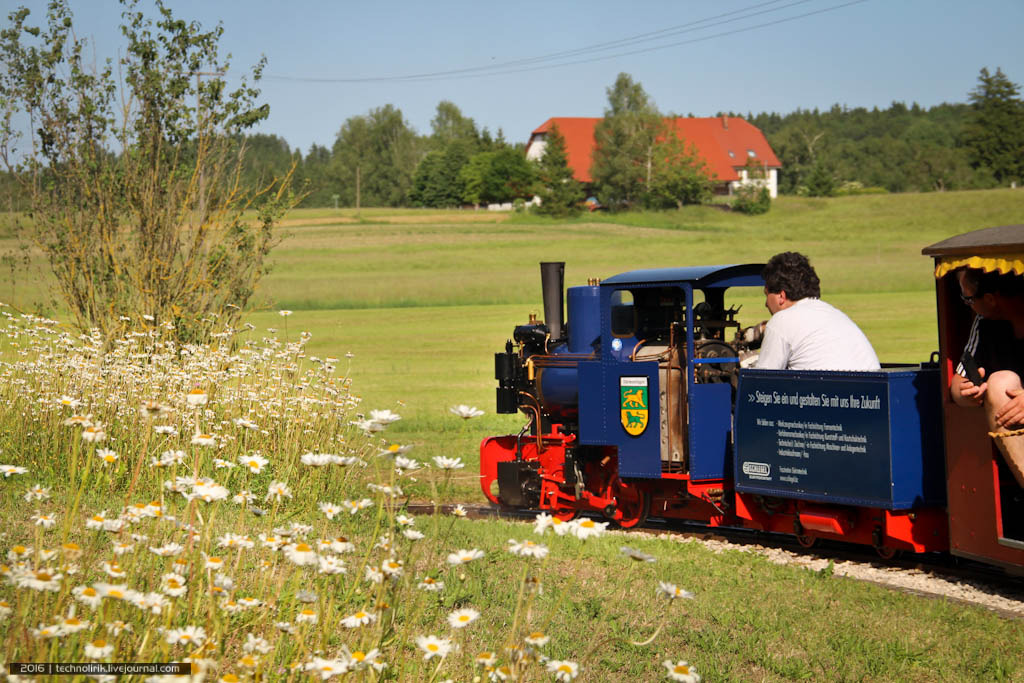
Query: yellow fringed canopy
[(1008, 263)]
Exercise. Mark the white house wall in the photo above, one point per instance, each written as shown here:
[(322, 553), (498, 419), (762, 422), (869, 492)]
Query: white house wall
[(771, 182)]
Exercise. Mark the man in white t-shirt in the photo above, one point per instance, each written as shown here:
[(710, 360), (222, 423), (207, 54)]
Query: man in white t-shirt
[(804, 332)]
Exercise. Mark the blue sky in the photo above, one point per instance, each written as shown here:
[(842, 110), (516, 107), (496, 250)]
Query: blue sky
[(720, 56)]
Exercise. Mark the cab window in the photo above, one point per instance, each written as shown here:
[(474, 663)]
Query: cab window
[(622, 313)]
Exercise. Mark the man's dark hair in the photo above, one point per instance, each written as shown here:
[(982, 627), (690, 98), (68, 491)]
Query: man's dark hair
[(985, 282), (791, 272)]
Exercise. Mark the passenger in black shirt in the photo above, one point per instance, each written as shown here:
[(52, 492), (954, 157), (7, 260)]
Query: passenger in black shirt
[(997, 344)]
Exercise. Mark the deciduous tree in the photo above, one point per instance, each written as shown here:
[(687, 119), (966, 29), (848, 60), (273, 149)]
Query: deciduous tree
[(374, 158), (559, 191), (995, 134), (134, 172), (449, 125), (624, 139), (437, 183), (677, 174)]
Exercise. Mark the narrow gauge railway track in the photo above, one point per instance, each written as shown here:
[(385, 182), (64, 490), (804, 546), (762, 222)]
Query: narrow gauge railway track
[(928, 575)]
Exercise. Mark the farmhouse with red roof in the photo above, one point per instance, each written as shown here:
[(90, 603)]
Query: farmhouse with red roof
[(725, 143)]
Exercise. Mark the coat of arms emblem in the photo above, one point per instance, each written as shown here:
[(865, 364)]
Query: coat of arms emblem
[(633, 404)]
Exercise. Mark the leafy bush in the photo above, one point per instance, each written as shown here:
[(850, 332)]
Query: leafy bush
[(752, 200)]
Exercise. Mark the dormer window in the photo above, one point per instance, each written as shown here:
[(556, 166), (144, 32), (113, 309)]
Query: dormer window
[(751, 153), (732, 155)]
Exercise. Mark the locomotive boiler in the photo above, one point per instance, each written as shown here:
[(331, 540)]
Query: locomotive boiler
[(639, 402)]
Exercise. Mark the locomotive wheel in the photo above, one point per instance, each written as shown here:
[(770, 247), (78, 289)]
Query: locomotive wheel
[(806, 540), (633, 505), (885, 552)]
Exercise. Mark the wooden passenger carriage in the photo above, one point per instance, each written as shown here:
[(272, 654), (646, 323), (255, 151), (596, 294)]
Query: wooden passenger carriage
[(985, 504)]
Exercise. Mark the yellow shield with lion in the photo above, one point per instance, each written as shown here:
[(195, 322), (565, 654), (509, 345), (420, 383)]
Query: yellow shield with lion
[(634, 404)]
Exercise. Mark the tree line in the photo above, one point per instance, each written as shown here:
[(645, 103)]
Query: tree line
[(378, 159), (972, 145)]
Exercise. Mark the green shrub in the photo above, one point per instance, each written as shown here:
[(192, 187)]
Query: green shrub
[(752, 200)]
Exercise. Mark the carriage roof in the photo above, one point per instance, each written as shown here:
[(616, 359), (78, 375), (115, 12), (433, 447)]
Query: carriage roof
[(998, 249), (699, 277)]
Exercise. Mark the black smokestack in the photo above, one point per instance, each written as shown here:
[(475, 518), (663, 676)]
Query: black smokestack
[(552, 282)]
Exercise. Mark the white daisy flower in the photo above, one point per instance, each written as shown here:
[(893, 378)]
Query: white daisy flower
[(94, 433), (189, 635), (464, 556), (392, 568), (87, 595), (98, 649), (433, 646), (44, 520), (196, 397), (681, 671), (448, 463), (278, 490), (300, 554), (587, 528), (325, 668), (201, 439), (527, 549), (307, 616), (360, 618), (254, 643), (37, 492), (173, 585), (431, 584), (245, 423), (342, 545), (330, 565), (537, 639), (330, 509), (254, 462), (384, 417), (671, 591), (462, 618), (465, 412), (107, 456)]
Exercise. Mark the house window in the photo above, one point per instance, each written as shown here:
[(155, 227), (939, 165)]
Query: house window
[(751, 153), (731, 154)]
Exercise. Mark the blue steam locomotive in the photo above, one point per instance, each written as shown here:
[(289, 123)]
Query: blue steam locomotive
[(641, 403)]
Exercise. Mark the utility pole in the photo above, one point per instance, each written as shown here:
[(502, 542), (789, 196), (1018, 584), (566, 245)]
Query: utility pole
[(359, 176)]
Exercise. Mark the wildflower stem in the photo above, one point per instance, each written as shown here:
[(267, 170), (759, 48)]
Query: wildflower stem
[(138, 463), (654, 635), (78, 498)]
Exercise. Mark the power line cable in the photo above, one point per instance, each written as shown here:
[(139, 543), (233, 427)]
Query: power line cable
[(662, 47), (496, 69), (661, 33)]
